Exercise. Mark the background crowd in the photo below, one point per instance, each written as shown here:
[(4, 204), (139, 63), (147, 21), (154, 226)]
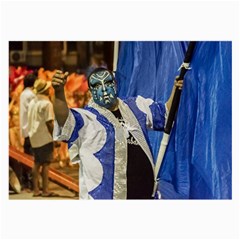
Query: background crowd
[(77, 95)]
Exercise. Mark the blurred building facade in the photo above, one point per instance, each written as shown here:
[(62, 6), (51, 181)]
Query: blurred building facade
[(67, 55)]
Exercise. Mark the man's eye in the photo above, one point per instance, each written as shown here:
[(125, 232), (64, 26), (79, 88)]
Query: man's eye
[(97, 85)]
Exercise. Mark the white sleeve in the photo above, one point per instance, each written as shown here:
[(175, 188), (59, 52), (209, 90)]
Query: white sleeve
[(65, 132)]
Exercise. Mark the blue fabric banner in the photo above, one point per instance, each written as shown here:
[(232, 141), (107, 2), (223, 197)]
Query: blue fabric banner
[(198, 160)]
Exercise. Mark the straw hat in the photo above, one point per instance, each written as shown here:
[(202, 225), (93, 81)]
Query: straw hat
[(41, 85)]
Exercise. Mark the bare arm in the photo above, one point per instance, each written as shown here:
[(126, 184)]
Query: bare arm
[(59, 102), (50, 126)]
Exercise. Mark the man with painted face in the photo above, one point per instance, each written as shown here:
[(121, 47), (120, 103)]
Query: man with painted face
[(103, 88), (108, 138)]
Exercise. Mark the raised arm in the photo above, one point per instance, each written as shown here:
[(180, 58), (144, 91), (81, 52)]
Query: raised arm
[(59, 102)]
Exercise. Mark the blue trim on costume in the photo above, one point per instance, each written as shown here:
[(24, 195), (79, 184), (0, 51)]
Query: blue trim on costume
[(79, 124), (158, 115), (106, 156), (141, 117)]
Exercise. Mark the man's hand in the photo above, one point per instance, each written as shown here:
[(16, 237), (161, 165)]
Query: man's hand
[(59, 102), (59, 79), (179, 84)]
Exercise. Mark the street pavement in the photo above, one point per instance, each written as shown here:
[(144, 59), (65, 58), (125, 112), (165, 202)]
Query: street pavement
[(62, 192)]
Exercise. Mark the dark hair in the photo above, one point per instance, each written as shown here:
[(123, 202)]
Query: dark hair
[(29, 80), (100, 69), (98, 58)]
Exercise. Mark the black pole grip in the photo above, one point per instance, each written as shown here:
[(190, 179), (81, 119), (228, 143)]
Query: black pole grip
[(177, 94)]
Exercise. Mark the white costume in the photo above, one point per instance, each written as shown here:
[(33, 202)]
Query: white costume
[(98, 142)]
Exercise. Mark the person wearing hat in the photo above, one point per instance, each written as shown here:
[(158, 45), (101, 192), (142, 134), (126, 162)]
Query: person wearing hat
[(40, 121)]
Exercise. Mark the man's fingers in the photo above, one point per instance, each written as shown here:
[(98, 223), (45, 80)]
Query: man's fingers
[(58, 72), (58, 75), (59, 78), (57, 82), (66, 75), (178, 84)]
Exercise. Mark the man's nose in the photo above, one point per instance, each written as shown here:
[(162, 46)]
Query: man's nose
[(104, 89)]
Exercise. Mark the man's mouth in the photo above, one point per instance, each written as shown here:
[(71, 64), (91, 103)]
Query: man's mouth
[(106, 99)]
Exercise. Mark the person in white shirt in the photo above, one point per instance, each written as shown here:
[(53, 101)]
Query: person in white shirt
[(40, 128), (25, 98)]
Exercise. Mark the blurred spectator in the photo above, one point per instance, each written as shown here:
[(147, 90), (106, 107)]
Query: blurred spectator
[(40, 120), (25, 98), (16, 75), (15, 139), (80, 99), (20, 93)]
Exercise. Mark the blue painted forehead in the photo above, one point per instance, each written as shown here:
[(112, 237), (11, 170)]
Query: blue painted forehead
[(101, 76)]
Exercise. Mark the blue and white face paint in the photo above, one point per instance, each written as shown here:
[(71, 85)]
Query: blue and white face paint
[(103, 88)]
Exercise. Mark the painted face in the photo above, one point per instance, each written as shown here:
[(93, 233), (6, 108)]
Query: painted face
[(103, 89)]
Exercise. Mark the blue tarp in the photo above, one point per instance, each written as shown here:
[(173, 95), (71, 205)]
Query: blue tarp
[(198, 160)]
